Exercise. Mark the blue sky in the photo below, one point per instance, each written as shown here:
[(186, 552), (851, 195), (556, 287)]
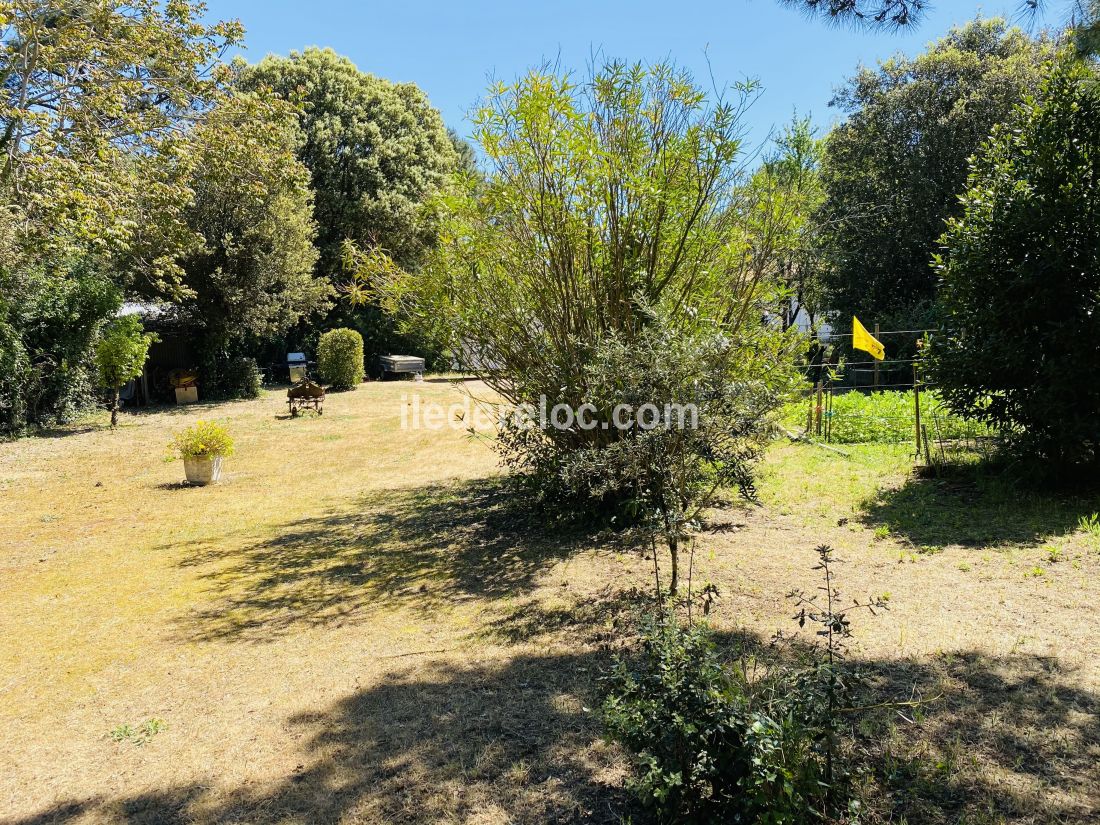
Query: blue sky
[(451, 49)]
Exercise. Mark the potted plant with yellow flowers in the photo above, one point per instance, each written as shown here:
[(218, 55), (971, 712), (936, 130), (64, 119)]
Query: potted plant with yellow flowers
[(202, 448)]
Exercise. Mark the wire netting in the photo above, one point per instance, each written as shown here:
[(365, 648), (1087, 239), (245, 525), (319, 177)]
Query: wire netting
[(852, 399)]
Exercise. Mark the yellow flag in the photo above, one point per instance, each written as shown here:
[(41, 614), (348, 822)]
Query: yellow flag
[(862, 339)]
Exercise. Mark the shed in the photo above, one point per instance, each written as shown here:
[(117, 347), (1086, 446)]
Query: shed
[(172, 351)]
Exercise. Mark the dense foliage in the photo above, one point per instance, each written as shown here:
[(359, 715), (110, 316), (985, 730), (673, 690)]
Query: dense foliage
[(135, 164), (94, 105), (615, 218), (695, 408), (1021, 279), (253, 275), (375, 150), (238, 376), (50, 311), (91, 109), (120, 356), (893, 170), (1087, 27), (340, 358)]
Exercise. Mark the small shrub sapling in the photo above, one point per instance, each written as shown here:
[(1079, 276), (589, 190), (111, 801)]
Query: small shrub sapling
[(753, 738), (120, 356)]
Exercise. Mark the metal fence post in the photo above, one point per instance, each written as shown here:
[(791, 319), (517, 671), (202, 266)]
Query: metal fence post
[(810, 415), (819, 407), (877, 333), (916, 405)]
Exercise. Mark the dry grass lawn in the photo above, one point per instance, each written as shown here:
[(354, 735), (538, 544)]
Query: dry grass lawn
[(358, 626)]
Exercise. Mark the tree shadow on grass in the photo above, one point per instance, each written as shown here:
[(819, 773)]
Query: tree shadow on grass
[(429, 548), (169, 408), (167, 806), (63, 431), (598, 618), (514, 741), (974, 507), (1002, 739), (965, 737)]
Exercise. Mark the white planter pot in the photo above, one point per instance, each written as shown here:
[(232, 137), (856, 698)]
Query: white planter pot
[(202, 471)]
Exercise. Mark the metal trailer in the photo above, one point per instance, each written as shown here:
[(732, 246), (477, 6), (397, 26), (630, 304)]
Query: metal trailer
[(401, 365)]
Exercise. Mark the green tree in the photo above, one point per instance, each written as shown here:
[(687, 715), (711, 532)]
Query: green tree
[(791, 177), (893, 170), (92, 103), (253, 277), (95, 102), (613, 206), (120, 356), (376, 151), (1021, 281)]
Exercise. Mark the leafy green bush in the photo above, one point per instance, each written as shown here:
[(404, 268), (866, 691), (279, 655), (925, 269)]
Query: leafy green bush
[(755, 740), (1020, 278), (711, 745), (242, 377), (120, 355), (886, 417), (51, 309), (205, 439), (340, 358), (708, 402)]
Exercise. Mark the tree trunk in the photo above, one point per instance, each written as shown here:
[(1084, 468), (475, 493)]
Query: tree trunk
[(114, 410), (673, 549)]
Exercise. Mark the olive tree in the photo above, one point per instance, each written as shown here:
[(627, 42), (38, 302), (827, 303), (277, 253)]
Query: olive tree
[(612, 206)]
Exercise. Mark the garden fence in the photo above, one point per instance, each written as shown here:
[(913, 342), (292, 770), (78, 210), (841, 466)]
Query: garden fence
[(920, 419)]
